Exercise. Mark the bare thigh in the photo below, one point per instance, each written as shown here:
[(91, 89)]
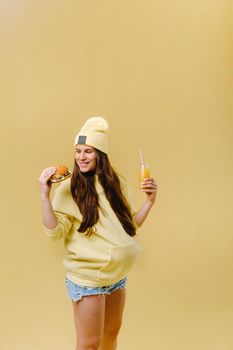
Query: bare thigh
[(89, 314), (114, 307)]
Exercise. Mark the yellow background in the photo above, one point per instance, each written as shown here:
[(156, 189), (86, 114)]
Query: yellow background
[(161, 73)]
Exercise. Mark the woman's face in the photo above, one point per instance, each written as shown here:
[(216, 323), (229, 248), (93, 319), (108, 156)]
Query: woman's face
[(85, 158)]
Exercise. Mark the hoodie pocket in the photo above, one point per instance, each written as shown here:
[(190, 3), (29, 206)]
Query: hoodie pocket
[(121, 260)]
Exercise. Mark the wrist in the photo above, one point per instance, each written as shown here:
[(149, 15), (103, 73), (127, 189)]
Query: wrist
[(45, 197), (151, 202)]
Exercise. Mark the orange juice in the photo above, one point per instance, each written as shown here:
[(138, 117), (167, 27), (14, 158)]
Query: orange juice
[(144, 172)]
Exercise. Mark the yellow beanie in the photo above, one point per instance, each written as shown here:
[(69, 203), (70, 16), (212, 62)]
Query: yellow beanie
[(94, 133)]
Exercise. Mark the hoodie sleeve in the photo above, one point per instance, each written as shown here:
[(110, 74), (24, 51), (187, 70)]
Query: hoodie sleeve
[(128, 195), (63, 227), (61, 202)]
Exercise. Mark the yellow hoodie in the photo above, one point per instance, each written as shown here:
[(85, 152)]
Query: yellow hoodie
[(105, 257)]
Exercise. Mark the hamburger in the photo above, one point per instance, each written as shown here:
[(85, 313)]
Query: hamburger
[(62, 173)]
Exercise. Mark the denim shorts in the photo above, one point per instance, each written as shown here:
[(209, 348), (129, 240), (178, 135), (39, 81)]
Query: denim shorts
[(75, 291)]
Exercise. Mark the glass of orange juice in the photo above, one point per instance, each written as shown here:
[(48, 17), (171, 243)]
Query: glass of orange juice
[(144, 172)]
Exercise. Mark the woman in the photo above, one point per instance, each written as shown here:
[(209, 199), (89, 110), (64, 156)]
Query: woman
[(92, 211)]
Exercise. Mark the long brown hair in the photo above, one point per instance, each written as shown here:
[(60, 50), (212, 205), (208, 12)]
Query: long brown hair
[(86, 197)]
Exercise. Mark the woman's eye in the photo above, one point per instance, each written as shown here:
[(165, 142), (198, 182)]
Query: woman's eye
[(87, 151)]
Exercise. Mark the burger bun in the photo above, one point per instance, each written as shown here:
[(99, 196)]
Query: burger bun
[(62, 173)]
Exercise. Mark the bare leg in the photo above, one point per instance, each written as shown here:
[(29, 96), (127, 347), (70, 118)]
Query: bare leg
[(89, 321), (114, 307)]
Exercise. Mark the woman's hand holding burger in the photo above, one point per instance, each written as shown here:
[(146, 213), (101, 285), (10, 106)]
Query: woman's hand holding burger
[(49, 175), (52, 174), (45, 184), (49, 218)]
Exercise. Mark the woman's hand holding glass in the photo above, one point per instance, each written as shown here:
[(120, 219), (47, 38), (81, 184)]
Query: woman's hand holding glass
[(147, 183), (150, 187)]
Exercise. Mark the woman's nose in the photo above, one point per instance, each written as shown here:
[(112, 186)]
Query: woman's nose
[(82, 155)]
